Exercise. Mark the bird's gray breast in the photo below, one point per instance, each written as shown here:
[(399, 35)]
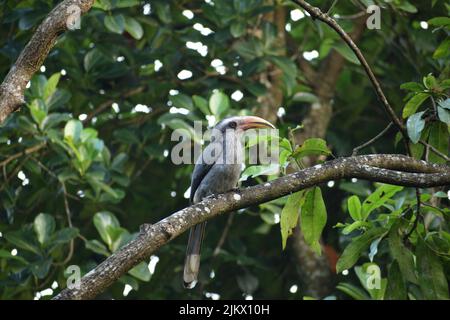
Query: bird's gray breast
[(219, 179)]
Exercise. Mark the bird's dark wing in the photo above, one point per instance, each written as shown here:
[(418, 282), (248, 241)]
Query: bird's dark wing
[(201, 170)]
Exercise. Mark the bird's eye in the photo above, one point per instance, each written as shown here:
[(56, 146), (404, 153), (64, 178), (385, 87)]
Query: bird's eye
[(232, 125)]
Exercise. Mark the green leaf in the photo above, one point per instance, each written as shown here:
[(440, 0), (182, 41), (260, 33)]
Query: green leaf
[(444, 115), (439, 21), (44, 226), (115, 23), (41, 268), (445, 104), (133, 27), (4, 254), (439, 139), (38, 111), (313, 146), (417, 150), (346, 52), (22, 240), (141, 272), (414, 103), (120, 237), (126, 279), (65, 235), (290, 214), (432, 279), (313, 217), (93, 58), (104, 221), (126, 3), (261, 170), (402, 254), (37, 85), (355, 225), (443, 50), (358, 245), (305, 97), (237, 28), (182, 101), (249, 49), (378, 198), (163, 12), (353, 291), (219, 103), (103, 4), (58, 99), (430, 82), (88, 134), (354, 207), (396, 287), (414, 125), (407, 7), (54, 119), (412, 86), (202, 104), (97, 247), (50, 86), (369, 274), (72, 130)]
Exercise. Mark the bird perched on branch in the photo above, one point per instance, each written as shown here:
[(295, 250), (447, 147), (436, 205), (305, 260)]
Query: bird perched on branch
[(217, 170)]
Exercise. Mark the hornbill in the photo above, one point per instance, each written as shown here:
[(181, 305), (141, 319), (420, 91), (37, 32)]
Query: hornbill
[(216, 170)]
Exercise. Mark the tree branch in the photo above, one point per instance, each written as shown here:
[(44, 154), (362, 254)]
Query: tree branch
[(33, 55), (368, 143), (25, 152), (394, 169)]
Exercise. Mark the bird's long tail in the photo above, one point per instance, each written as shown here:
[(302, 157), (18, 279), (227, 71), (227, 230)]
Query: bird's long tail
[(192, 262)]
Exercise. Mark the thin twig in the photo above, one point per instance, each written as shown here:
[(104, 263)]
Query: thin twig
[(15, 171), (378, 136), (352, 16), (69, 222), (106, 104), (40, 164), (317, 13), (23, 153), (418, 215), (433, 102), (332, 6), (436, 151), (224, 234)]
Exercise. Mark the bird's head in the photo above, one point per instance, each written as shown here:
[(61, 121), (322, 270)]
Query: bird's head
[(242, 123)]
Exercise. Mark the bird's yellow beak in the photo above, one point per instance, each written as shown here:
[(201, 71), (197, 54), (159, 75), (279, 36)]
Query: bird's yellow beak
[(252, 122)]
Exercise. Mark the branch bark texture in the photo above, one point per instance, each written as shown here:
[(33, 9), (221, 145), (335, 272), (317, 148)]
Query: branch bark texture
[(33, 55), (393, 169)]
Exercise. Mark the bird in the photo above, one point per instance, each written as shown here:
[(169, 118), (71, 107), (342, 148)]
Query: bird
[(217, 170)]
